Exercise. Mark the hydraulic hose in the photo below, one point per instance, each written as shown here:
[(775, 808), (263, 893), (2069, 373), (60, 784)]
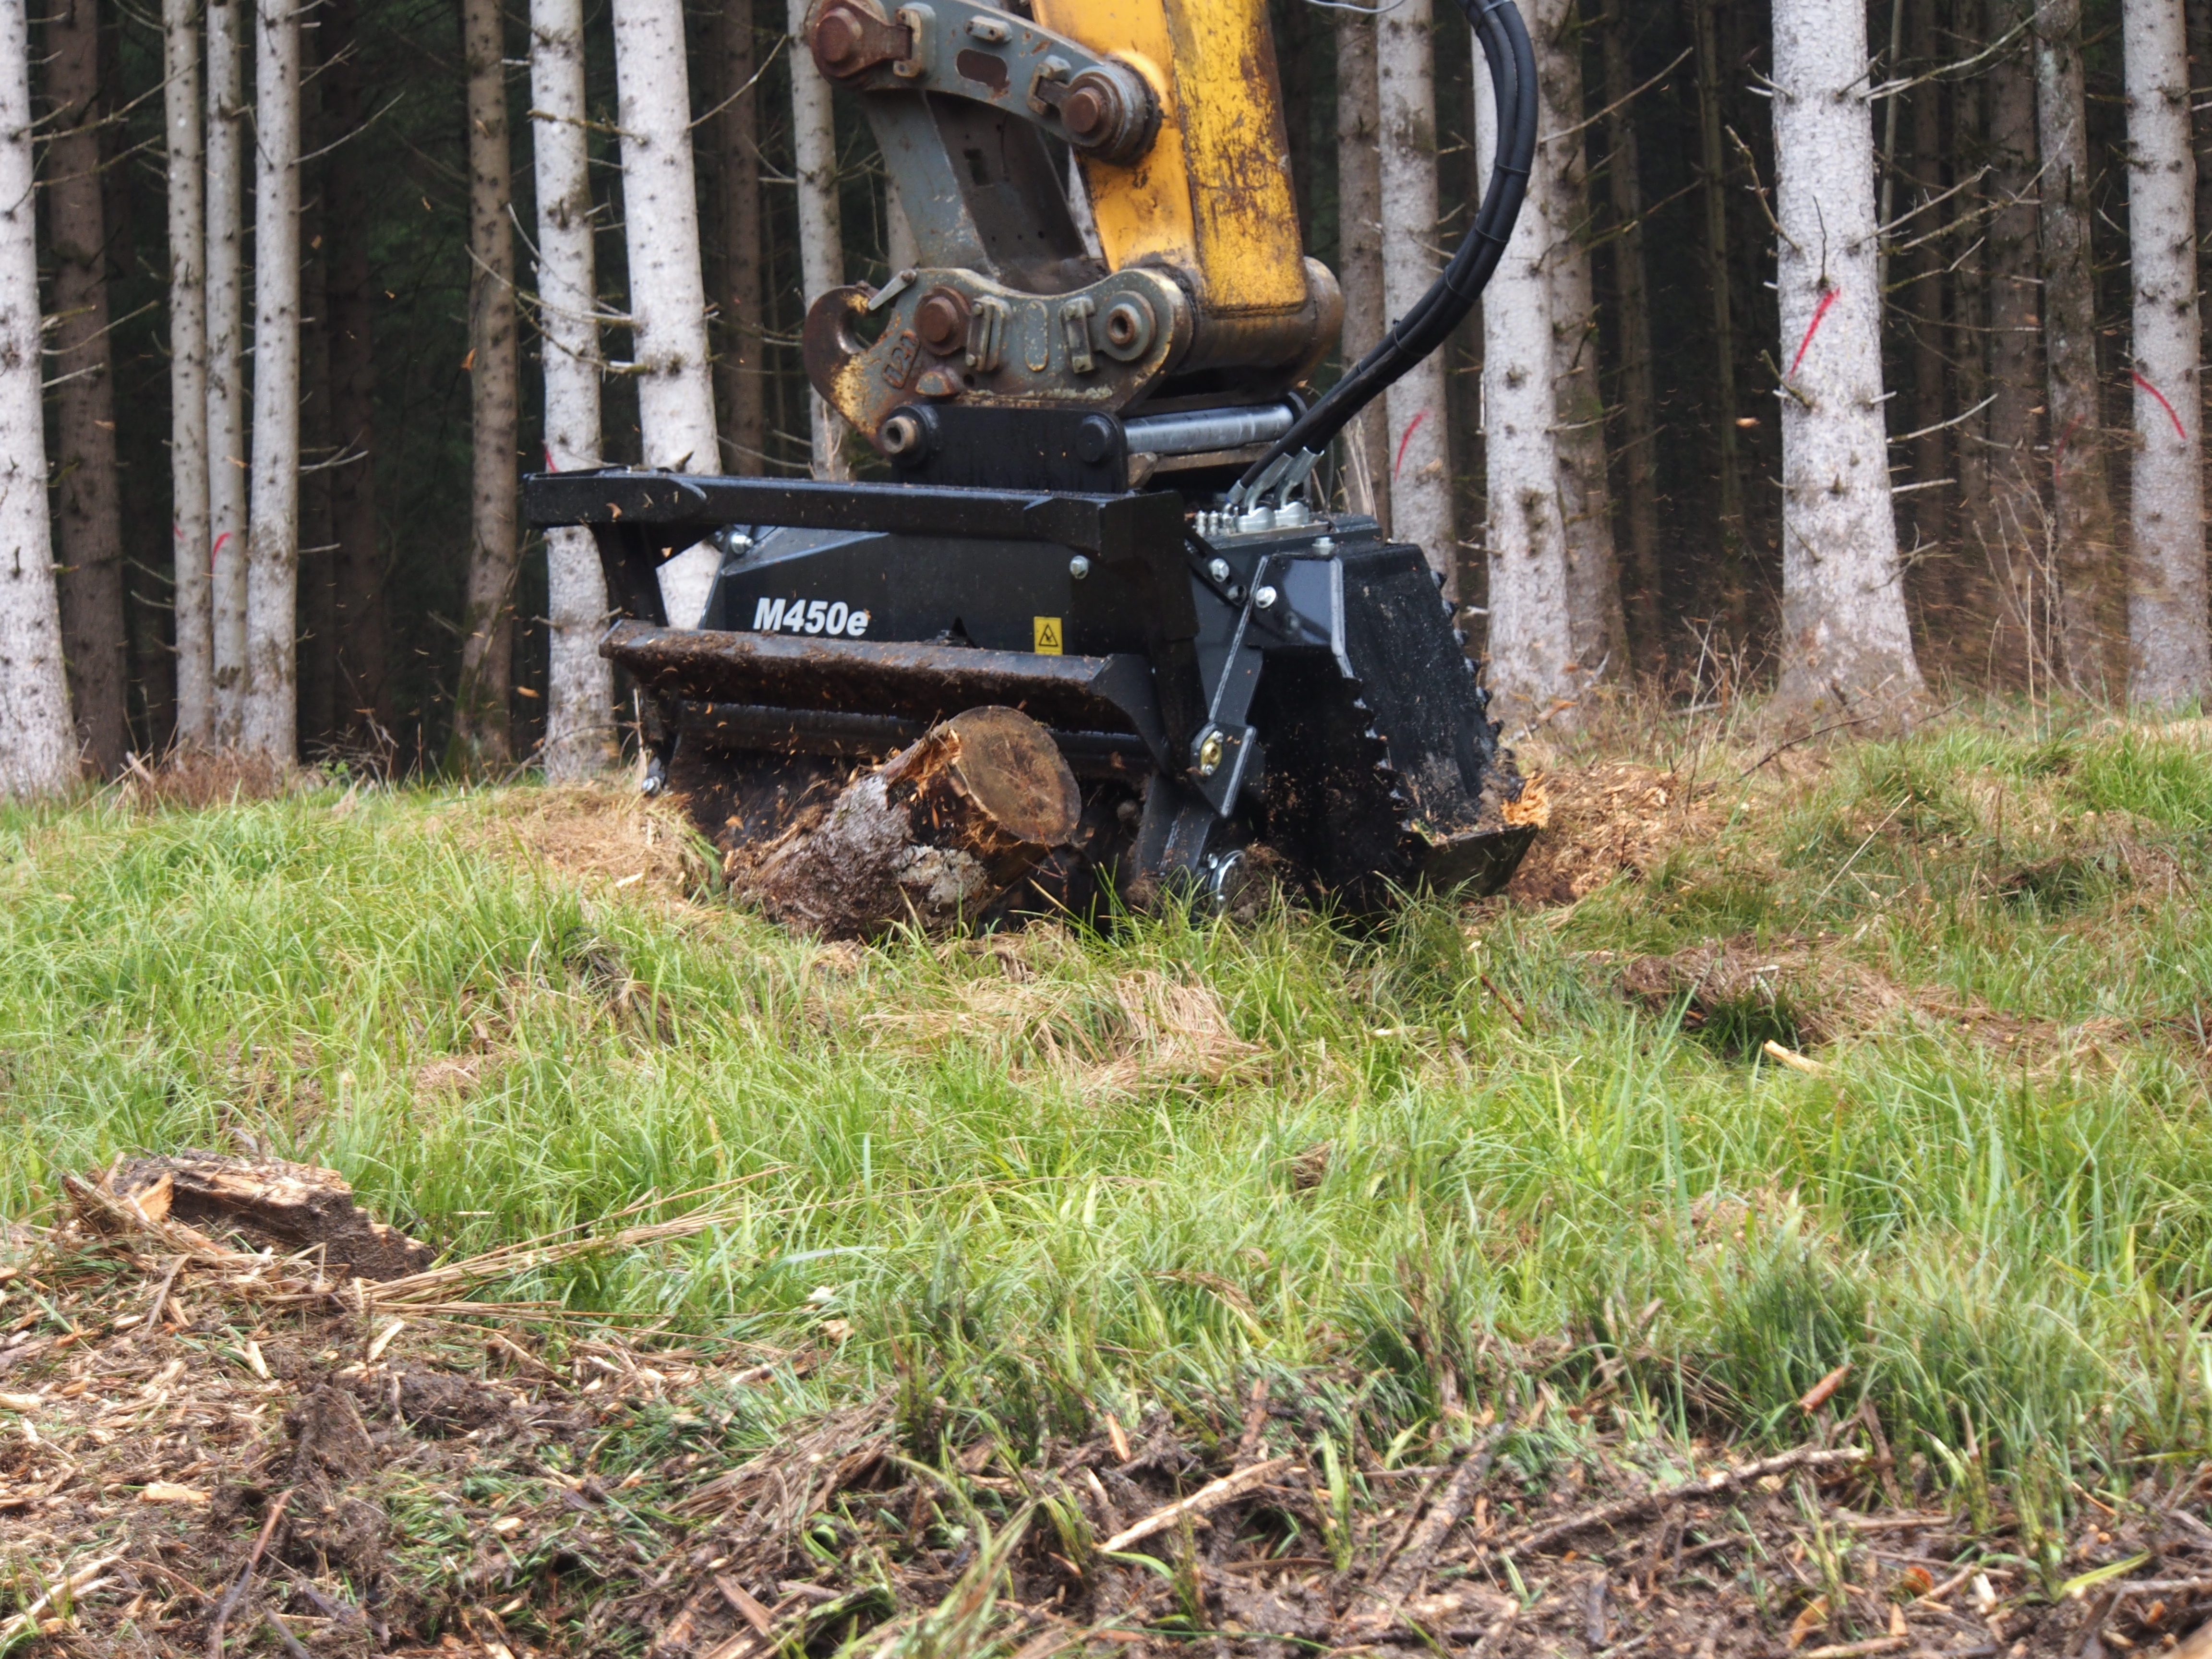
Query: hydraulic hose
[(1497, 24)]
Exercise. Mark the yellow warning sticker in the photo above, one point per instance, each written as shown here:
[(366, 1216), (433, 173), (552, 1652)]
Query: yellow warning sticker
[(1048, 636)]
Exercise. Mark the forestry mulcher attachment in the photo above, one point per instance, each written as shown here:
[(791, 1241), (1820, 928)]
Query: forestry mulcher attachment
[(1097, 512)]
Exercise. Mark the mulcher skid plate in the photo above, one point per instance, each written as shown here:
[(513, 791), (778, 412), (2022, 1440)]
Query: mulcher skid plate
[(1298, 688)]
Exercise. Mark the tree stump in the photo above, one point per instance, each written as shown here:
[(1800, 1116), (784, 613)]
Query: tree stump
[(938, 832), (286, 1206)]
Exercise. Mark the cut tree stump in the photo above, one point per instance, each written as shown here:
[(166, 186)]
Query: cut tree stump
[(937, 833), (288, 1207)]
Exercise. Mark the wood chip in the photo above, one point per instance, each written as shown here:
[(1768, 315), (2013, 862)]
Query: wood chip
[(21, 1402), (1859, 1649), (383, 1339), (1792, 1059), (744, 1605), (166, 1491)]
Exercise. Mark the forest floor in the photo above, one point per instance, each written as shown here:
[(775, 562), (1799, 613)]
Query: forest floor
[(1777, 1225)]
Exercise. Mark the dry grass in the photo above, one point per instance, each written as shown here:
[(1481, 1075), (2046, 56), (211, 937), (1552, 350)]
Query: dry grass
[(603, 835)]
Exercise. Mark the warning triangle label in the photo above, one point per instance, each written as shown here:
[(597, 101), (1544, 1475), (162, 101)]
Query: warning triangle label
[(1048, 636)]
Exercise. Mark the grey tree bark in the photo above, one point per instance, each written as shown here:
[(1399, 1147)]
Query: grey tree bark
[(2081, 510), (667, 289), (740, 365), (188, 444), (270, 723), (89, 509), (38, 751), (364, 703), (1845, 641), (579, 699), (821, 235), (1531, 670), (226, 375), (1561, 193), (1639, 398), (2015, 371), (2169, 637), (482, 736), (1359, 258)]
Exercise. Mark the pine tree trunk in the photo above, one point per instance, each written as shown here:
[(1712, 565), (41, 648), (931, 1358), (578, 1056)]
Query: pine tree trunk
[(2015, 371), (1359, 258), (1561, 190), (821, 235), (38, 751), (1420, 447), (740, 366), (270, 726), (226, 370), (1639, 398), (1530, 649), (188, 444), (481, 737), (2082, 499), (89, 515), (1734, 582), (358, 562), (2170, 643), (580, 697), (1845, 641), (667, 290)]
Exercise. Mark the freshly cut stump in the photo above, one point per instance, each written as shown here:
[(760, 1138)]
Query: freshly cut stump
[(287, 1207), (937, 833)]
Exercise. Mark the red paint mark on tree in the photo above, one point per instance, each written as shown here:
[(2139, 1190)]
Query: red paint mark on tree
[(2180, 431), (1411, 427), (215, 552), (1820, 315), (2058, 455)]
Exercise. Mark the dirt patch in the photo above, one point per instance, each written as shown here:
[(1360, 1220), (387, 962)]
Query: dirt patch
[(1743, 992), (1606, 821), (604, 834)]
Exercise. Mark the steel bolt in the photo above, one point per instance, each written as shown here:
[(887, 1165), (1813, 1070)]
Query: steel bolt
[(1209, 751), (1263, 598), (836, 40), (1087, 113), (941, 319), (1219, 570), (1079, 567)]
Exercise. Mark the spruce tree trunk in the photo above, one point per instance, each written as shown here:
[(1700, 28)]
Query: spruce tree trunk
[(1359, 258), (1561, 189), (38, 751), (821, 235), (2015, 365), (88, 512), (318, 619), (2199, 14), (580, 697), (667, 290), (1846, 642), (2170, 644), (740, 365), (1970, 360), (2082, 499), (1735, 590), (364, 704), (270, 726), (482, 736), (188, 444), (1530, 651), (226, 20), (1420, 449), (1639, 398)]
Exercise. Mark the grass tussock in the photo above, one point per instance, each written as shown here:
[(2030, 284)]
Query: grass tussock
[(1526, 1150)]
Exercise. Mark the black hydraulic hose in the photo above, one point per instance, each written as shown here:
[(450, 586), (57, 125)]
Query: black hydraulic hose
[(1512, 61)]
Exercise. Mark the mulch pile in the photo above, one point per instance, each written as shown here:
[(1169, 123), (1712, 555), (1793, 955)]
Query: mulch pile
[(210, 1449)]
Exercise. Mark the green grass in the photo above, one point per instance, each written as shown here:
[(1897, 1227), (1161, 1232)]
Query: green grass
[(2011, 1244)]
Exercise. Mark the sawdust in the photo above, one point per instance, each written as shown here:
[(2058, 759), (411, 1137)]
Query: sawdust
[(1604, 821), (604, 834)]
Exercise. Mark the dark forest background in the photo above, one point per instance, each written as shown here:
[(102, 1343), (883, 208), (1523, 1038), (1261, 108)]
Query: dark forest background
[(384, 236)]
